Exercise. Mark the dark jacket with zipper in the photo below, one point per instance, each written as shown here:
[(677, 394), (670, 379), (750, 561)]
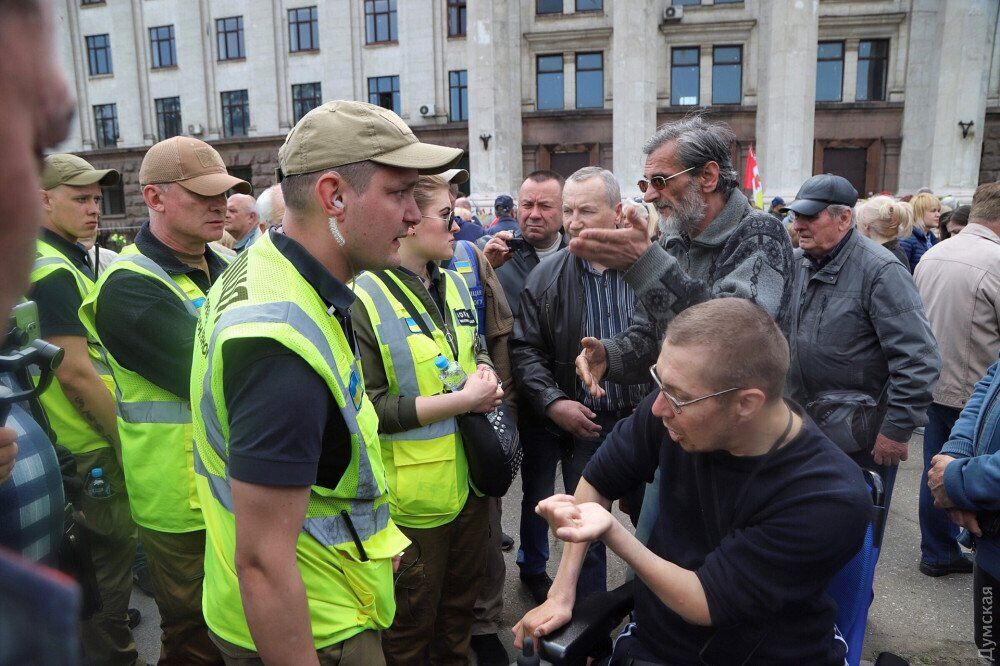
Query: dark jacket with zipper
[(546, 336)]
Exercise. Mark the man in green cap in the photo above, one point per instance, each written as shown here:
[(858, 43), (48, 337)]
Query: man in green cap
[(80, 404), (144, 310), (301, 548)]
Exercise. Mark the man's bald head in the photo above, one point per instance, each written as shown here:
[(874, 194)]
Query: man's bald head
[(241, 215)]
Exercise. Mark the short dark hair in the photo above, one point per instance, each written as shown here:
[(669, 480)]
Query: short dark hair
[(746, 347), (698, 143), (297, 189), (542, 175)]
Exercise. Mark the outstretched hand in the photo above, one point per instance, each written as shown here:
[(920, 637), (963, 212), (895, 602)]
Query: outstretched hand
[(591, 365), (615, 248), (576, 523)]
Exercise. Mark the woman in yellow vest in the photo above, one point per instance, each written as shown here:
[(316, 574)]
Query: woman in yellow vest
[(405, 319)]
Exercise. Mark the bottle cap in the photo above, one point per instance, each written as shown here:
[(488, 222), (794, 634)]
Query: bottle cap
[(96, 472), (441, 362)]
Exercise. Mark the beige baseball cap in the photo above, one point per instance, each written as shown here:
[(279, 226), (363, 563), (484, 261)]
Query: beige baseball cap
[(457, 176), (66, 169), (342, 132), (191, 163)]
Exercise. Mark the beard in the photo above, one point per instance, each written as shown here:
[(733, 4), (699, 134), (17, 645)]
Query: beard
[(688, 214)]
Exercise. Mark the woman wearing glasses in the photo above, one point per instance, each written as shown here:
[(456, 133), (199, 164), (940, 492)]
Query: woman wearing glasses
[(405, 319)]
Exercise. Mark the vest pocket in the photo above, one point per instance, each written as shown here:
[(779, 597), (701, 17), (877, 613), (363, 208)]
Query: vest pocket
[(426, 483)]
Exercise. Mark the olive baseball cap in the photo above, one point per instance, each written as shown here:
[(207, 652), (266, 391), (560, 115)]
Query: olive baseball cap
[(191, 163), (66, 169), (342, 132)]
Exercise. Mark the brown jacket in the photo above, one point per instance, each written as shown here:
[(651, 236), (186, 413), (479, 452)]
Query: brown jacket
[(959, 281)]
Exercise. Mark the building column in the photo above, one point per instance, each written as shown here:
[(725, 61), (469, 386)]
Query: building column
[(633, 84), (786, 94), (947, 81), (494, 61)]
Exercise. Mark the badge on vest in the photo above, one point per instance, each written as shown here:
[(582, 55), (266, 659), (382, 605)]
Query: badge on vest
[(357, 389), (412, 325), (465, 317), (463, 266)]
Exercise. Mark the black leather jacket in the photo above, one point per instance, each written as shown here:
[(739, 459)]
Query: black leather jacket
[(547, 334)]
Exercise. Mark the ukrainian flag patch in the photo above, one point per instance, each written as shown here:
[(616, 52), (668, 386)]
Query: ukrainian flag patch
[(357, 389), (412, 325), (463, 266)]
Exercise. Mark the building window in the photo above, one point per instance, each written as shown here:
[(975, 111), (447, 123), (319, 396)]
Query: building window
[(728, 2), (303, 29), (873, 63), (549, 88), (384, 91), (106, 124), (676, 3), (380, 21), (548, 7), (235, 113), (113, 199), (727, 74), (589, 80), (684, 76), (830, 72), (305, 98), (229, 35), (99, 54), (458, 94), (162, 47), (589, 5), (168, 117), (91, 2), (456, 18)]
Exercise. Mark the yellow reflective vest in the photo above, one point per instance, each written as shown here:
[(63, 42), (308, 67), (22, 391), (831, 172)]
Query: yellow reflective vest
[(427, 469), (72, 431), (349, 588), (154, 424)]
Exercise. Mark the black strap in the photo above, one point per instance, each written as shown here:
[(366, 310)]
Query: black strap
[(398, 294)]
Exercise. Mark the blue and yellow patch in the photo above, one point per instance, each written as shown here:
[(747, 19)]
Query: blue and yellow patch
[(357, 389), (412, 325), (463, 266)]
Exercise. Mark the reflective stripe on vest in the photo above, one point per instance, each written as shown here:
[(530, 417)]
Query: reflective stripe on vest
[(328, 530)]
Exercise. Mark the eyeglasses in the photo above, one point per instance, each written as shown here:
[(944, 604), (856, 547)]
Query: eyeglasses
[(659, 182), (450, 219), (678, 404)]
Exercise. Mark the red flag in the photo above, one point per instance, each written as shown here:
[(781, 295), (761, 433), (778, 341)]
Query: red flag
[(751, 179)]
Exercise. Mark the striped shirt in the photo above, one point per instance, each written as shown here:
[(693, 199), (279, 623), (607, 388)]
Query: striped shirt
[(609, 303)]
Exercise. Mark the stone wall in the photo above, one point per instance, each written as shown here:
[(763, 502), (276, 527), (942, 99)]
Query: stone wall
[(989, 167)]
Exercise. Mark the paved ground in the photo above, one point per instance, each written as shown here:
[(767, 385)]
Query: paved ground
[(925, 620)]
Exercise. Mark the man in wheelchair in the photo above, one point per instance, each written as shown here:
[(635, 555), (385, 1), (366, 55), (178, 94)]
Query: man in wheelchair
[(757, 509)]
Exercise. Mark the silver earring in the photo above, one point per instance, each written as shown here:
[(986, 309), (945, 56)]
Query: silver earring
[(335, 232)]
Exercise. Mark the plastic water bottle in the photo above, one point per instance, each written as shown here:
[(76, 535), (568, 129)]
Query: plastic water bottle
[(451, 373), (98, 487)]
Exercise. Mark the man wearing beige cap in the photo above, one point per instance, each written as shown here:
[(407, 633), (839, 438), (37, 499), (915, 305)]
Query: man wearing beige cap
[(299, 563), (80, 404), (144, 310)]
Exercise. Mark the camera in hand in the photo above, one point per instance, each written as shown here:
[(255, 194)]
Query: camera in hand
[(517, 243)]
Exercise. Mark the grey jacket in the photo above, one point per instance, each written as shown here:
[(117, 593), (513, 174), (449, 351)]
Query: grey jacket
[(858, 323), (744, 252)]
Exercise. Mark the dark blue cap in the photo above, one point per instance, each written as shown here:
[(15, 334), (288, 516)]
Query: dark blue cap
[(504, 202), (777, 201), (821, 191)]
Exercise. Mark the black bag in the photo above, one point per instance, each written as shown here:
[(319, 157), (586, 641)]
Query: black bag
[(491, 441), (849, 418)]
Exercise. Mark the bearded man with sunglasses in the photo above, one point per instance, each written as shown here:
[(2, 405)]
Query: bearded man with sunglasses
[(757, 508), (713, 243)]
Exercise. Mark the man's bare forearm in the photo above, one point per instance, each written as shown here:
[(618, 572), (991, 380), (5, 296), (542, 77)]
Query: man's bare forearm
[(564, 585), (679, 589), (274, 601)]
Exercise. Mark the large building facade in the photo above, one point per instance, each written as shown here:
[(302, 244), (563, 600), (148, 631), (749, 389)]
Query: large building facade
[(893, 94)]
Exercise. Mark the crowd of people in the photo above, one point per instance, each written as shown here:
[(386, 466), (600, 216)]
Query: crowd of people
[(251, 393)]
